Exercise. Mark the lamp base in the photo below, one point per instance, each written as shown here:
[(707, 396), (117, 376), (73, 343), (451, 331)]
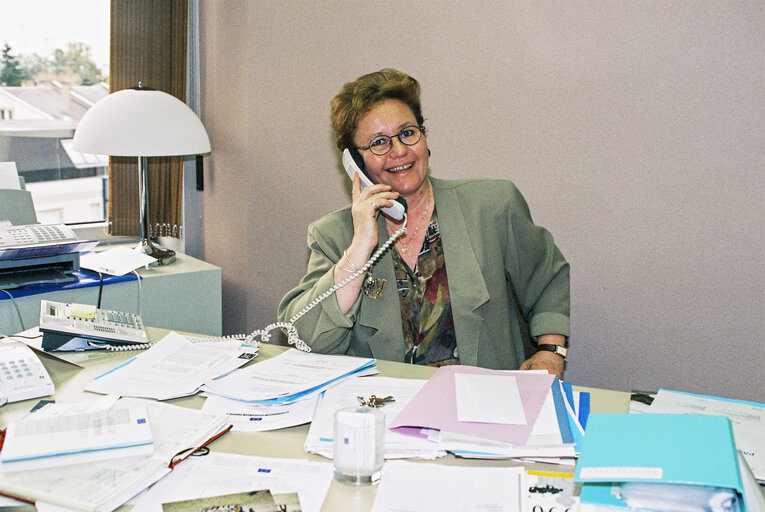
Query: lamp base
[(162, 256)]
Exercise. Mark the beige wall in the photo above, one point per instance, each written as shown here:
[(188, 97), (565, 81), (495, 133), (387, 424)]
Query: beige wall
[(634, 130)]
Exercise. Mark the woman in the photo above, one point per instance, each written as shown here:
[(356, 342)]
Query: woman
[(459, 285)]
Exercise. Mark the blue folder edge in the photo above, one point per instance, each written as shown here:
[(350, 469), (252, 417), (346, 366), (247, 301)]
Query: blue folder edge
[(582, 409), (84, 278), (712, 397), (566, 433), (570, 426)]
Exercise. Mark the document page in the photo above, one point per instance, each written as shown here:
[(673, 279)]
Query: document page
[(422, 487), (286, 376), (176, 429), (34, 443), (172, 368), (86, 486), (223, 473), (320, 438), (260, 417)]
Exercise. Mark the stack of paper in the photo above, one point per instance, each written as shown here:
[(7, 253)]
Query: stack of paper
[(747, 418), (659, 462), (484, 413), (172, 368), (35, 443), (320, 437), (105, 485), (292, 375)]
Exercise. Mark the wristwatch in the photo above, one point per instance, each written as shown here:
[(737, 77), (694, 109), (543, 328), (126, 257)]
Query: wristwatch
[(557, 349)]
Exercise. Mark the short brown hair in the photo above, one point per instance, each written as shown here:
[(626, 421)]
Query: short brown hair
[(357, 98)]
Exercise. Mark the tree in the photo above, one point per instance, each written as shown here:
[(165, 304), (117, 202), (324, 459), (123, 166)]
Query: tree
[(76, 59), (11, 73)]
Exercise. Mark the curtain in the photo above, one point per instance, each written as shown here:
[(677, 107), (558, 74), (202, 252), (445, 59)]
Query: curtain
[(148, 45)]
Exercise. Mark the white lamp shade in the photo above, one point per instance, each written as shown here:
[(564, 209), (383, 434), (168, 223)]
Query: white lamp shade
[(141, 122)]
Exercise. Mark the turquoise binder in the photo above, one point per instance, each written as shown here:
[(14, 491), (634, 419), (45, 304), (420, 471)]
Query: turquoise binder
[(655, 448)]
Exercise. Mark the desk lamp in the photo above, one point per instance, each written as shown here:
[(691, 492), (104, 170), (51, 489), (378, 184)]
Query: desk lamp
[(142, 122)]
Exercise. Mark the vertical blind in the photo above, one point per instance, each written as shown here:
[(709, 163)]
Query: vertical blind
[(148, 45)]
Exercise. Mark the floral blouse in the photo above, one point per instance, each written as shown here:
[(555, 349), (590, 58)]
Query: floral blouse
[(426, 308)]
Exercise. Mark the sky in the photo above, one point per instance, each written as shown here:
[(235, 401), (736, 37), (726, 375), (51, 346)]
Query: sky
[(41, 26)]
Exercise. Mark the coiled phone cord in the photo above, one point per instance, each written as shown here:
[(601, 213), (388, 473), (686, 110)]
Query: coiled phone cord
[(292, 335)]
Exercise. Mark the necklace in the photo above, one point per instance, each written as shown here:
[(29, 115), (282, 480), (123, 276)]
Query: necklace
[(404, 245)]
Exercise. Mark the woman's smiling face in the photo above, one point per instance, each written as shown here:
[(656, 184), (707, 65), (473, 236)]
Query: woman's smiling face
[(404, 167)]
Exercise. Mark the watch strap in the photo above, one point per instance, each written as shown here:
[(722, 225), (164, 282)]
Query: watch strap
[(556, 349)]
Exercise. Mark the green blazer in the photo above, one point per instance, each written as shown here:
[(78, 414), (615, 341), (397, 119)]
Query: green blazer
[(493, 253)]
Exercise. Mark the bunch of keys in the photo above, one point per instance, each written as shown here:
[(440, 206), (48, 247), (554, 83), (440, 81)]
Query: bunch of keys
[(374, 401)]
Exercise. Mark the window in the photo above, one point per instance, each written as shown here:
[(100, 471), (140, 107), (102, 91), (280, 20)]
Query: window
[(140, 40), (54, 66)]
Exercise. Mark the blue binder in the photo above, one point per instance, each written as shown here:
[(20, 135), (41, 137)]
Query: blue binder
[(655, 448)]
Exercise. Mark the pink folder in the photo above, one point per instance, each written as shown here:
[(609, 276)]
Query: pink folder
[(435, 406)]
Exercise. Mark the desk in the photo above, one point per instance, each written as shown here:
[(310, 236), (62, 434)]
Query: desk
[(284, 443), (185, 295)]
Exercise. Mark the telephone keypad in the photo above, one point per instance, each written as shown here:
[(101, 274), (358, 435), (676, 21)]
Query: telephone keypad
[(20, 373)]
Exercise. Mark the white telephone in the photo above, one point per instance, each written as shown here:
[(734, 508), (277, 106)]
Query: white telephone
[(22, 375), (64, 324), (354, 162)]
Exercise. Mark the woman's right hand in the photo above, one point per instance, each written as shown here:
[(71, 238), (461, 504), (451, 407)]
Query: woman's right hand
[(365, 209)]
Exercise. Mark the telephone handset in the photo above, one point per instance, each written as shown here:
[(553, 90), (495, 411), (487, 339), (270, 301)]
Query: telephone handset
[(354, 162)]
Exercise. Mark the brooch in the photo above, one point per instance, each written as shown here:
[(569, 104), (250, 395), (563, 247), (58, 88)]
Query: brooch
[(373, 288)]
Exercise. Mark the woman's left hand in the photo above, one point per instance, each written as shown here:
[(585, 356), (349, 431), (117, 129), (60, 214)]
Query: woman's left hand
[(544, 360)]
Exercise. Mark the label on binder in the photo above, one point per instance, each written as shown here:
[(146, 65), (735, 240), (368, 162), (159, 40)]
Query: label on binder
[(620, 473)]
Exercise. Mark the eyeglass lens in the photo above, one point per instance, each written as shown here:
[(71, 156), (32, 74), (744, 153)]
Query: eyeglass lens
[(409, 136)]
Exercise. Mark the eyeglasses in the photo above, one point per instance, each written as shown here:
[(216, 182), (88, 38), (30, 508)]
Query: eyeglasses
[(380, 145)]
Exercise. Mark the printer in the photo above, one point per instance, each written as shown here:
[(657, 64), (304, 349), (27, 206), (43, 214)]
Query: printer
[(33, 253)]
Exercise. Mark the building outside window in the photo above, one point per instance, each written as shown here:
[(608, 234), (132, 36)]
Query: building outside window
[(54, 65)]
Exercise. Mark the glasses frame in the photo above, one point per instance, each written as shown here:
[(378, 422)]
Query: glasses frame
[(390, 138)]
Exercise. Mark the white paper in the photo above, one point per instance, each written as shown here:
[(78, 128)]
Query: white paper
[(290, 373), (9, 176), (87, 486), (117, 261), (247, 417), (176, 429), (424, 487), (320, 438), (101, 403), (489, 399), (171, 368), (223, 473)]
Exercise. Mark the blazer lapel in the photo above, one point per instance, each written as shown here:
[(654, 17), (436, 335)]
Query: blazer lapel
[(466, 284), (383, 314)]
